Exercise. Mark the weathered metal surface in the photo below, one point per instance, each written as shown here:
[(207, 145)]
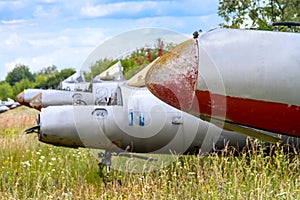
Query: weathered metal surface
[(244, 76)]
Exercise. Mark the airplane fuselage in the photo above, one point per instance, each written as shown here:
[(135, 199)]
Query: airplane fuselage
[(139, 122), (245, 77)]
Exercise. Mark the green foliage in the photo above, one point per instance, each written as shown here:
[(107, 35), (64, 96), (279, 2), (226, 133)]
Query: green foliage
[(258, 13), (130, 73), (5, 91), (22, 85), (41, 80), (134, 62), (100, 66), (21, 78), (51, 70), (18, 73), (51, 80), (129, 63), (65, 73)]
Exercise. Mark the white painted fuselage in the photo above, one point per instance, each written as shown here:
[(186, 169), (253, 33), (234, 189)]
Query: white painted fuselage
[(246, 77)]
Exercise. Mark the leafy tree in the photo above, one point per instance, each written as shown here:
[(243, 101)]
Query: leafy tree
[(258, 13), (52, 81), (18, 73), (49, 77), (130, 63), (41, 81), (5, 91), (133, 62), (65, 73), (21, 78), (100, 66), (22, 85), (51, 70)]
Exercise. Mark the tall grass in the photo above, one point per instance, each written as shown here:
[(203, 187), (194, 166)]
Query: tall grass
[(33, 170)]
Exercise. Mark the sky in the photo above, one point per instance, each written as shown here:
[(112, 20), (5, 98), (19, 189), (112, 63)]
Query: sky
[(42, 33)]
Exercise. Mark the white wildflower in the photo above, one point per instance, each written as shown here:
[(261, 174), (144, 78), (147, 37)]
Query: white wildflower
[(26, 163), (65, 194)]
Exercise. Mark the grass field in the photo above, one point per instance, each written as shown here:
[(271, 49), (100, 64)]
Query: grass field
[(33, 170)]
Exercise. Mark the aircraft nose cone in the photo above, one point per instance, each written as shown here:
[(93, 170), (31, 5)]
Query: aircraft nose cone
[(172, 78), (36, 102), (20, 98)]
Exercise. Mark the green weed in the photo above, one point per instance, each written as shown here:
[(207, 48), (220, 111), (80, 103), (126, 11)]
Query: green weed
[(33, 170)]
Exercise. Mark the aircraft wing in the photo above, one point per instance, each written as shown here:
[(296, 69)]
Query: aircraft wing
[(254, 133)]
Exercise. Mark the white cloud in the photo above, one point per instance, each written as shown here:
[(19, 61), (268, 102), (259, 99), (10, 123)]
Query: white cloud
[(140, 9), (14, 21), (41, 33), (70, 37), (13, 40), (47, 1), (116, 8), (66, 57), (9, 4), (67, 48), (46, 12), (186, 24), (9, 66)]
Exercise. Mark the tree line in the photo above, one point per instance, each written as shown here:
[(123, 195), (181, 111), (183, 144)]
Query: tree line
[(21, 78), (132, 63), (257, 14)]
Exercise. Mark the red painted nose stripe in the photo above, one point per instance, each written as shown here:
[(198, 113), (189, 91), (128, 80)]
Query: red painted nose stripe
[(269, 116)]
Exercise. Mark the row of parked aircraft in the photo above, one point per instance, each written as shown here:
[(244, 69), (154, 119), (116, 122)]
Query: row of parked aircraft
[(213, 91), (8, 104)]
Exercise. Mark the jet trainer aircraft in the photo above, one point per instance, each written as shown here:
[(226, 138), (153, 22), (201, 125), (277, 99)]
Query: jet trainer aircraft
[(122, 115), (237, 79), (125, 118)]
